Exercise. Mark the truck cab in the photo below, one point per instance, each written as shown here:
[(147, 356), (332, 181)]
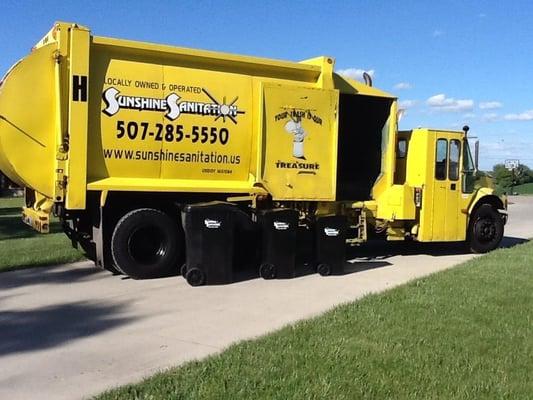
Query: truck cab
[(436, 196)]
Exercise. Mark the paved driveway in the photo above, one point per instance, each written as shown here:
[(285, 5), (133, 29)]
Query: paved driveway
[(72, 331)]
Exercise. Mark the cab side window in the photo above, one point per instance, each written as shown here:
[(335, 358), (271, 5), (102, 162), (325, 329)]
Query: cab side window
[(441, 159), (402, 148), (455, 152)]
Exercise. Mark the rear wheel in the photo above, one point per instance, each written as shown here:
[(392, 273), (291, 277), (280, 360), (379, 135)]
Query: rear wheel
[(485, 230), (147, 243)]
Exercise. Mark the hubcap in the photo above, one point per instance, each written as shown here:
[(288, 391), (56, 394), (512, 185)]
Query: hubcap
[(485, 230)]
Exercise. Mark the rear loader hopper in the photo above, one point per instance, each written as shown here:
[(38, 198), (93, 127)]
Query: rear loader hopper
[(29, 121)]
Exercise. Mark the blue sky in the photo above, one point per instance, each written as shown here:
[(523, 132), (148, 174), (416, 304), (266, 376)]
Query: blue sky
[(450, 63)]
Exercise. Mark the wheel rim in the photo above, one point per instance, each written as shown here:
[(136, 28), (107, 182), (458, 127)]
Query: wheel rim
[(485, 230), (147, 245)]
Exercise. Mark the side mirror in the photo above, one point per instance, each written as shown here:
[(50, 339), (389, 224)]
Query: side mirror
[(476, 155)]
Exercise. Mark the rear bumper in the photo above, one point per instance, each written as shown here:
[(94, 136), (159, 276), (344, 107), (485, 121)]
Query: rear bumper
[(38, 220)]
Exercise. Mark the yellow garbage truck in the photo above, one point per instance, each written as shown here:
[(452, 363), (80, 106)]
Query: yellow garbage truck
[(116, 137)]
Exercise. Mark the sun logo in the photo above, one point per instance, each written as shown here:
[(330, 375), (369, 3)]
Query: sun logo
[(223, 109)]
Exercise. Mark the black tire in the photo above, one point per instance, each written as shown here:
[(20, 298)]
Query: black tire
[(195, 277), (485, 230), (323, 269), (147, 243), (267, 271), (113, 269), (183, 270)]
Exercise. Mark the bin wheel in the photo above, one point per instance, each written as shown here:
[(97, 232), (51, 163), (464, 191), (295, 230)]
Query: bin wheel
[(183, 270), (147, 243), (323, 269), (267, 271), (195, 277)]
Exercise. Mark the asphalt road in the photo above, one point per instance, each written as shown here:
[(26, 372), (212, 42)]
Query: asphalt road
[(72, 331)]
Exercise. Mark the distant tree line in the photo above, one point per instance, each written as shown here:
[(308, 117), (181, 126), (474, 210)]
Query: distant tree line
[(505, 178)]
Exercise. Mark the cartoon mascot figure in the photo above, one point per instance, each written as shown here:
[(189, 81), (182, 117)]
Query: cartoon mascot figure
[(294, 127)]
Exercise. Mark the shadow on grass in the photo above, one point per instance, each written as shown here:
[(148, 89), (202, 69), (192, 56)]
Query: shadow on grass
[(13, 211), (51, 275), (13, 228), (51, 326)]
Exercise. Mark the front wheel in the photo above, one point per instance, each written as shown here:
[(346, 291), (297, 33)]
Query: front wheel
[(485, 230), (147, 243)]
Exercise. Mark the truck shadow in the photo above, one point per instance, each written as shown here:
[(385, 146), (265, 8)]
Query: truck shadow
[(51, 275), (360, 266), (350, 267), (51, 326), (509, 242), (382, 250)]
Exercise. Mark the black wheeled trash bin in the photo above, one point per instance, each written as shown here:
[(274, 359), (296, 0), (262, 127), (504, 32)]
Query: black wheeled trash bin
[(330, 244), (209, 239), (279, 243)]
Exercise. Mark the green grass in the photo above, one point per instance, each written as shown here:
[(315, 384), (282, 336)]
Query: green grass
[(526, 188), (22, 247), (466, 333)]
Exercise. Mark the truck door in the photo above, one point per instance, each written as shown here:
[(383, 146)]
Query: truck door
[(446, 189)]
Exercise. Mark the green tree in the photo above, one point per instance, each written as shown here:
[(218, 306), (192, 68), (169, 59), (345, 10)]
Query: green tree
[(505, 178)]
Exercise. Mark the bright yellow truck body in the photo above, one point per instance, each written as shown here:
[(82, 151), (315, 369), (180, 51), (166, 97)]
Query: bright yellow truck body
[(86, 121)]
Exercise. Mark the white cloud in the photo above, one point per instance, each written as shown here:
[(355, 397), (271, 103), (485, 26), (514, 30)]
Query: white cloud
[(469, 116), (356, 73), (490, 105), (405, 104), (437, 33), (440, 102), (495, 151), (490, 117), (403, 85), (524, 116)]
